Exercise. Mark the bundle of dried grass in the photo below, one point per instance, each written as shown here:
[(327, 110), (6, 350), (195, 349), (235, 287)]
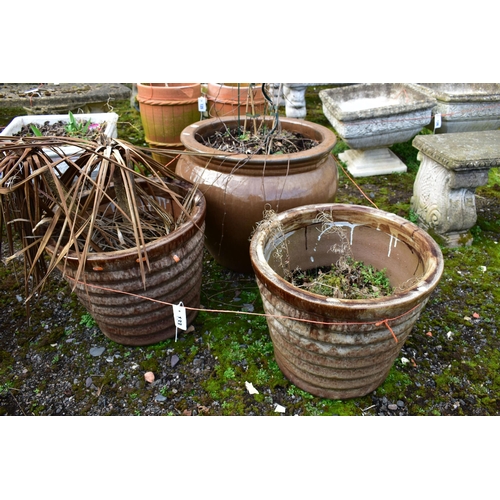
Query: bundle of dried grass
[(63, 199)]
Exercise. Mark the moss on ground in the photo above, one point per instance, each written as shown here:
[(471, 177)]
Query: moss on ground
[(448, 366)]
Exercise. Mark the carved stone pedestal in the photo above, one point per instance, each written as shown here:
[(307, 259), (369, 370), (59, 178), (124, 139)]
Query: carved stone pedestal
[(293, 97), (366, 162), (452, 167)]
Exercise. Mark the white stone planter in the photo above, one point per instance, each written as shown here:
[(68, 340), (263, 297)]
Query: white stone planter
[(464, 107), (111, 120), (370, 117)]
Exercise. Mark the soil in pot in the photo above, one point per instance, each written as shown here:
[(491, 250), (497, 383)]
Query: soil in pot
[(240, 140), (345, 279), (71, 128)]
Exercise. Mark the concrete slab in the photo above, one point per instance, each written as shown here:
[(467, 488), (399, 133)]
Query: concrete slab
[(462, 150), (59, 98)]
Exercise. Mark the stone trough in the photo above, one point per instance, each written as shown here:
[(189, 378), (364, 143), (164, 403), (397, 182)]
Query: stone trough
[(370, 117), (60, 98), (464, 107)]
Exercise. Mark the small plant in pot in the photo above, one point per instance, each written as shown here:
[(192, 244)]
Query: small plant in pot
[(332, 345), (125, 232), (72, 127), (83, 126), (345, 278), (254, 162)]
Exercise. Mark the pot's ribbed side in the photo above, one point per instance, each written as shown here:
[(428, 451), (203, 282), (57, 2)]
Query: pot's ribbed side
[(166, 110), (111, 286), (342, 348), (339, 361), (231, 99), (133, 319)]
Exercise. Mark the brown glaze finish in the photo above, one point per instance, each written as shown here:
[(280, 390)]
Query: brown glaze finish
[(353, 356), (133, 320), (238, 188)]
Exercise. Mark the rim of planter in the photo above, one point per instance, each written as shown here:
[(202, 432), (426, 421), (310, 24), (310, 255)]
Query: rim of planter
[(144, 87), (331, 97), (300, 217), (325, 137), (218, 87), (168, 93), (197, 217)]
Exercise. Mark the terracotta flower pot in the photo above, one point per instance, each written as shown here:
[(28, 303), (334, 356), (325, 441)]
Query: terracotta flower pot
[(227, 99), (174, 276), (238, 188), (166, 109), (342, 348)]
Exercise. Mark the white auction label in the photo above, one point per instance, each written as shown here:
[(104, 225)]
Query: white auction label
[(180, 316), (437, 121), (202, 104)]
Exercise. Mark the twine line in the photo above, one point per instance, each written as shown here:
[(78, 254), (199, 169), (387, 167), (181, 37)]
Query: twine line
[(227, 311)]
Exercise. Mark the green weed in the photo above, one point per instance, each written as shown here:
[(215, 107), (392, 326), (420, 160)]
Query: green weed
[(87, 320), (6, 387)]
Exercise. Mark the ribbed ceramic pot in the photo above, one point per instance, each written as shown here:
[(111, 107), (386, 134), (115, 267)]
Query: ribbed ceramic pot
[(174, 276), (238, 188), (229, 99), (166, 109), (342, 348)]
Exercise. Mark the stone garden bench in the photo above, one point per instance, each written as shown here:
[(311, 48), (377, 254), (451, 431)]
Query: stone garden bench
[(452, 166)]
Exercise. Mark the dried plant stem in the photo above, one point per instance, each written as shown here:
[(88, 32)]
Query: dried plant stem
[(104, 198)]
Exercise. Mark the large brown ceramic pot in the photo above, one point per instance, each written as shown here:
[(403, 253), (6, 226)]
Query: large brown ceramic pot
[(238, 188), (342, 348), (112, 289)]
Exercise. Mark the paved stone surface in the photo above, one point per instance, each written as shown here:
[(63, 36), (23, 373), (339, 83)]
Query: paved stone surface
[(51, 98)]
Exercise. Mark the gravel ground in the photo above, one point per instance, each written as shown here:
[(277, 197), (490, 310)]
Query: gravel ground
[(64, 365)]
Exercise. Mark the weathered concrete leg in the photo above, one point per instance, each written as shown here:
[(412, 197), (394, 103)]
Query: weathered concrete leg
[(277, 94), (444, 200), (295, 99)]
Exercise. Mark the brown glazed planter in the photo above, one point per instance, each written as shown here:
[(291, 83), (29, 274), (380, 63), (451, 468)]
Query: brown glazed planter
[(238, 187), (175, 276), (343, 348)]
